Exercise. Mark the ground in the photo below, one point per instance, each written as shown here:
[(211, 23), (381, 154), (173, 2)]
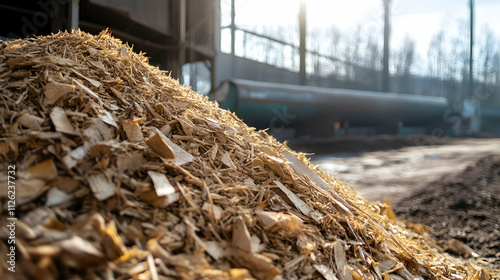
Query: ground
[(451, 185)]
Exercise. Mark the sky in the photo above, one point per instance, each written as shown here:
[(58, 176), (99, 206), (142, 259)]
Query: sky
[(417, 19)]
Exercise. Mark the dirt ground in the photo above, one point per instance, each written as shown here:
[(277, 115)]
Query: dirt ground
[(465, 207), (393, 174), (453, 187)]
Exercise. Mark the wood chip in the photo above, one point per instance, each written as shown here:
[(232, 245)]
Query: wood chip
[(303, 169), (60, 121), (133, 131), (167, 149), (53, 91), (92, 81), (56, 197), (45, 170), (326, 272), (106, 117), (241, 236), (161, 184), (27, 190), (101, 186), (86, 89), (159, 145), (30, 121), (73, 157), (341, 262), (301, 205), (226, 159)]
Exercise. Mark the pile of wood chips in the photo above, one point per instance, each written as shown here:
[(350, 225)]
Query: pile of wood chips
[(123, 173)]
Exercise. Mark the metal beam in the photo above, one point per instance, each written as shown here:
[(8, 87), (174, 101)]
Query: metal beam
[(471, 51), (182, 39), (387, 30), (233, 27), (302, 46), (73, 14)]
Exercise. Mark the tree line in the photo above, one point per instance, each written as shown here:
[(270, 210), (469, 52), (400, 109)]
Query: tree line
[(354, 60)]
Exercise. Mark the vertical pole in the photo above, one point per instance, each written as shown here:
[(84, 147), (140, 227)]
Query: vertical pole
[(182, 39), (471, 51), (385, 71), (302, 46), (213, 62), (73, 14), (233, 28)]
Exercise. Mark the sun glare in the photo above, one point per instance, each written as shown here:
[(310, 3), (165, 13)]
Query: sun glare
[(267, 13)]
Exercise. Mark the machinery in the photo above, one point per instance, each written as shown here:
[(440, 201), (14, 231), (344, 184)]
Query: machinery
[(323, 111)]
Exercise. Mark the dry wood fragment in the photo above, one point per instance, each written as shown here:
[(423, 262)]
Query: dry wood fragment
[(92, 81), (73, 157), (301, 205), (273, 221), (226, 159), (86, 89), (45, 170), (31, 121), (159, 145), (325, 271), (303, 169), (101, 186), (56, 197), (106, 117), (133, 131), (29, 189), (161, 184), (343, 271), (60, 121), (53, 91), (241, 236)]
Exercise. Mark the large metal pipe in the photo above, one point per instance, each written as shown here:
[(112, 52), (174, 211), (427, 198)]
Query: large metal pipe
[(259, 102)]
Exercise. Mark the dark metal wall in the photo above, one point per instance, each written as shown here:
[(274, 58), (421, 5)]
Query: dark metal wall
[(171, 32)]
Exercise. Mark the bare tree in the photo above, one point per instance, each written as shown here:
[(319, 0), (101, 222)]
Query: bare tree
[(404, 59), (485, 70)]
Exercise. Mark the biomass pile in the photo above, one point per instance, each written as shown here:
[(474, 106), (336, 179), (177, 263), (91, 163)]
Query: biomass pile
[(122, 173), (464, 208)]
